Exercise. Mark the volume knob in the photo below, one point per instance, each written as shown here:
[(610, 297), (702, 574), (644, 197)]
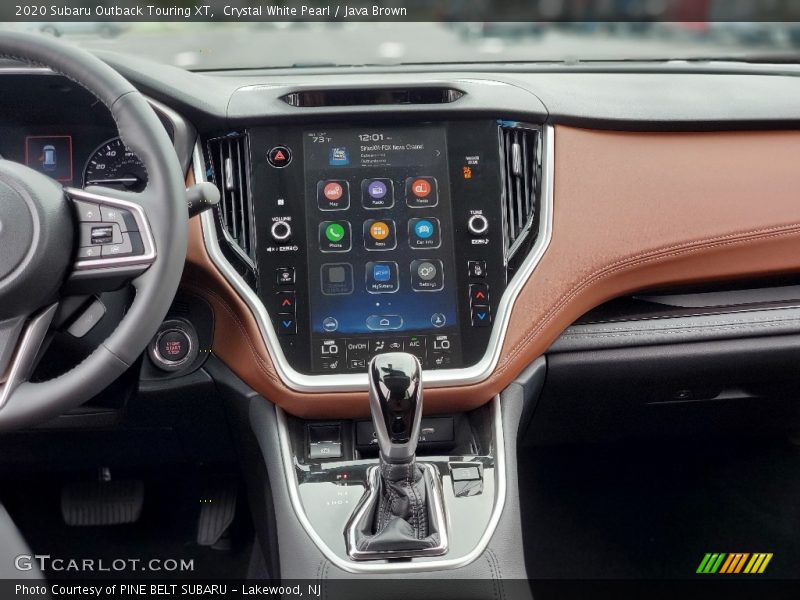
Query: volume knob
[(478, 225), (280, 230)]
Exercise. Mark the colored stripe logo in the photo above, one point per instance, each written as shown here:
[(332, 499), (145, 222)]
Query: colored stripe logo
[(734, 563)]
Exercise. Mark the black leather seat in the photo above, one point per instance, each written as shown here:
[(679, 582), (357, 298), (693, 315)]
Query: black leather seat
[(12, 546)]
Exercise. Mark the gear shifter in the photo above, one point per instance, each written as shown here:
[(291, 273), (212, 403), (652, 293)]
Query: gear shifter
[(402, 514), (395, 397)]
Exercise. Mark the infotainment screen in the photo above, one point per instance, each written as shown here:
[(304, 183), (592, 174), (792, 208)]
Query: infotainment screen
[(380, 241)]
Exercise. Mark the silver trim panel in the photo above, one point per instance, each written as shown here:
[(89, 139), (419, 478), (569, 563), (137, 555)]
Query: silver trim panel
[(358, 381), (414, 564)]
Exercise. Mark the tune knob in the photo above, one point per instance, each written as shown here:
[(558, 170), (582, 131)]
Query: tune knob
[(280, 230), (478, 225)]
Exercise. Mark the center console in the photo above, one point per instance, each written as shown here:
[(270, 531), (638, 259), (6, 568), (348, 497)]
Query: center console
[(375, 257), (379, 239)]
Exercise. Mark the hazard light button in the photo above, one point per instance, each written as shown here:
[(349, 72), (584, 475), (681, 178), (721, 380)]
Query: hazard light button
[(279, 157)]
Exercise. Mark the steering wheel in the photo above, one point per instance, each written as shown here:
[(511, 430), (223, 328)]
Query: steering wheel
[(53, 236)]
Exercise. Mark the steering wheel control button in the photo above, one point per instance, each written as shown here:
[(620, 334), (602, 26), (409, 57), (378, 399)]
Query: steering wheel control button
[(103, 234), (89, 252), (87, 319), (422, 192), (94, 234), (377, 193), (88, 212), (281, 231), (481, 315), (333, 194), (279, 157), (476, 269), (424, 233), (285, 275), (427, 275), (123, 218), (287, 324), (379, 234), (124, 248), (478, 225), (175, 346), (335, 236)]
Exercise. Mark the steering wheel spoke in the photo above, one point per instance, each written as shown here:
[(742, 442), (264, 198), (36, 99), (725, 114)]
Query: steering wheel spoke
[(114, 238), (22, 344)]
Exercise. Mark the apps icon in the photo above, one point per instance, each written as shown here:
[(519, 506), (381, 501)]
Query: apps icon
[(424, 233), (381, 277), (427, 275), (336, 279), (335, 236), (377, 193), (379, 234), (333, 194), (338, 157), (422, 192)]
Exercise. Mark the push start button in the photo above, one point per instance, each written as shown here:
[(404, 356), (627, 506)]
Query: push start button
[(174, 346)]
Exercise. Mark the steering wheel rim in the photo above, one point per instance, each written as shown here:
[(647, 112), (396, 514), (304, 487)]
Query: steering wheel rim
[(163, 207)]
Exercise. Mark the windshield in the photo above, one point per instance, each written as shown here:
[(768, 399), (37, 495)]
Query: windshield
[(215, 45)]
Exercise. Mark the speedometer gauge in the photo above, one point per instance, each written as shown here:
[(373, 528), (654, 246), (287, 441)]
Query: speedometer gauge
[(113, 165)]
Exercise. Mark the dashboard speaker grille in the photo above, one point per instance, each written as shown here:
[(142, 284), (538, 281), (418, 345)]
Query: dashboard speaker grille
[(520, 173), (228, 163)]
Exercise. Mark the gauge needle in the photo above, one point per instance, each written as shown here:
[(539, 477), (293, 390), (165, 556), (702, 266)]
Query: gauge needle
[(115, 180)]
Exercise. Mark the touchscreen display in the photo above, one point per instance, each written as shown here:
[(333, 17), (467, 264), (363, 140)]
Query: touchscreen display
[(380, 236)]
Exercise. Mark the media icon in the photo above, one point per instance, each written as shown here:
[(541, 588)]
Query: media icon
[(422, 192)]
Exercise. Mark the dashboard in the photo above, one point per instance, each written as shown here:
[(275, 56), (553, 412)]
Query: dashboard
[(60, 130), (347, 230)]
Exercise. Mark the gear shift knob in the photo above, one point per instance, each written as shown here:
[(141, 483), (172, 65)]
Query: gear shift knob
[(395, 399)]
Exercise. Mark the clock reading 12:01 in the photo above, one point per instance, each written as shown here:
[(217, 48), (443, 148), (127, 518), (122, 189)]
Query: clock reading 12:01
[(371, 137)]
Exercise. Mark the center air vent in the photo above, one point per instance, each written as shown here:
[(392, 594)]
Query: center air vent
[(228, 162), (519, 147), (372, 97)]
